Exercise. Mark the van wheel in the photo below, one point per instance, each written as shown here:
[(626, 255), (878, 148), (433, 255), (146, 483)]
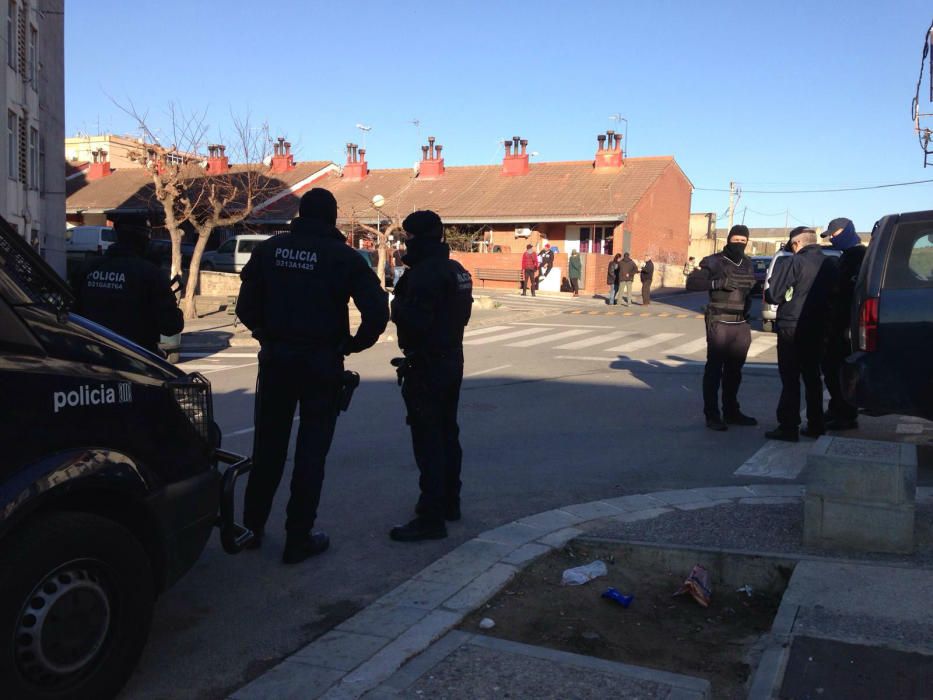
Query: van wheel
[(76, 607), (767, 326)]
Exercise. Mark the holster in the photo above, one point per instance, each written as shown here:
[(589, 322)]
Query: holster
[(348, 384)]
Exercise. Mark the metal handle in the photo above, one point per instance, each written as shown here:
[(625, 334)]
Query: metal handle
[(233, 536)]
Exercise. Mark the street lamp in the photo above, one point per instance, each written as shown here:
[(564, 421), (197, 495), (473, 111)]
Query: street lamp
[(378, 202), (619, 118)]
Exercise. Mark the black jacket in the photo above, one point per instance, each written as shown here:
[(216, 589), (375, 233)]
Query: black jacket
[(296, 288), (128, 294), (850, 263), (647, 272), (809, 278), (729, 284), (433, 301)]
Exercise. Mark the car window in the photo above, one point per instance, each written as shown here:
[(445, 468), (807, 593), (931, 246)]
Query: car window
[(227, 246), (247, 245), (107, 235), (762, 265), (910, 265)]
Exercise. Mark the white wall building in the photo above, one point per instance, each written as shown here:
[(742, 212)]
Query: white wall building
[(33, 92)]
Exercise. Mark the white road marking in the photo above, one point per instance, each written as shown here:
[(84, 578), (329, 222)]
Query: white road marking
[(650, 363), (598, 340), (220, 355), (548, 338), (485, 371), (506, 336), (244, 431), (689, 348), (210, 369), (655, 339), (562, 325), (761, 344), (909, 429), (483, 331), (777, 460)]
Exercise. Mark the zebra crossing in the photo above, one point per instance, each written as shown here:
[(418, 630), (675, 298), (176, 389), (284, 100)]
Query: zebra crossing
[(595, 339)]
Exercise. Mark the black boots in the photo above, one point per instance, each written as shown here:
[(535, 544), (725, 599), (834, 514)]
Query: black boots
[(714, 422), (297, 549), (739, 418), (784, 434), (451, 513), (417, 530)]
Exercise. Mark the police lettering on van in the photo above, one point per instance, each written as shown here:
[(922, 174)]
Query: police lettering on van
[(295, 259), (89, 395)]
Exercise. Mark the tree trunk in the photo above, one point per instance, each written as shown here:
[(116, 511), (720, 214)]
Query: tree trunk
[(381, 242), (194, 272)]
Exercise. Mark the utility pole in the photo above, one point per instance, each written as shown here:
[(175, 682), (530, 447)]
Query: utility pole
[(731, 203)]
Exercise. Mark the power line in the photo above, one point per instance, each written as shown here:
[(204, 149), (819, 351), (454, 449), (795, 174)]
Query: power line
[(833, 189)]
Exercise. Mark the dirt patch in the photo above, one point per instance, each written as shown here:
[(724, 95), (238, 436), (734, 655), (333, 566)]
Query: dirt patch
[(658, 631)]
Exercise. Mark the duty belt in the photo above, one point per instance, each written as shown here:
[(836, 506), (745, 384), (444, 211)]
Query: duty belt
[(726, 317)]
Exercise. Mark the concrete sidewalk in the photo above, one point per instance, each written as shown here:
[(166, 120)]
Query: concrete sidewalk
[(403, 645)]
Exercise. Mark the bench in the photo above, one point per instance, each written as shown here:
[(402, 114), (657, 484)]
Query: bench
[(485, 273)]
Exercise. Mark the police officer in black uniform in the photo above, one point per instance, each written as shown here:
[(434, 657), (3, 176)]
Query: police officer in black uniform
[(294, 297), (729, 278), (127, 293), (432, 305)]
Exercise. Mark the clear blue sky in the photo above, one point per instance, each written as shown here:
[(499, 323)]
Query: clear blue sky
[(772, 95)]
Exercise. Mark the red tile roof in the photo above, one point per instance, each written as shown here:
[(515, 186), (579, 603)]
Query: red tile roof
[(569, 191)]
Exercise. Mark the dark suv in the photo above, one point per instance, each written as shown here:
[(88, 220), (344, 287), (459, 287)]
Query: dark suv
[(110, 486), (891, 368)]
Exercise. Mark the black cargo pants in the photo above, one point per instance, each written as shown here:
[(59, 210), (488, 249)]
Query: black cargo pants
[(800, 352), (432, 393), (726, 349), (288, 377), (837, 349)]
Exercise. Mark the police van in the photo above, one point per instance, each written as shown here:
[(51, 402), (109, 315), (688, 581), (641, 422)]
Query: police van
[(111, 481)]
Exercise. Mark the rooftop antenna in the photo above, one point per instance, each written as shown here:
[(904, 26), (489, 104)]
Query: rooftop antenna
[(365, 129), (617, 117)]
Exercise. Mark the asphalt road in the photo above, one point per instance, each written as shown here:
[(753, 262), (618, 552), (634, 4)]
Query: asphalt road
[(562, 403)]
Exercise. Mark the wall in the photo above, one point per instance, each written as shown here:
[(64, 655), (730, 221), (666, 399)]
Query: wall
[(51, 50), (504, 236), (594, 269), (218, 284), (660, 221)]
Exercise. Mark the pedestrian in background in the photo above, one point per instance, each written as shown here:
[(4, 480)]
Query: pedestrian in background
[(842, 236), (690, 265), (802, 286), (612, 279), (647, 275), (728, 277), (627, 271), (398, 267), (529, 269), (293, 297), (575, 271), (431, 308), (547, 261)]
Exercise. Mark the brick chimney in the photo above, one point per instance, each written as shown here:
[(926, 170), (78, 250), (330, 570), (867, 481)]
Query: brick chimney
[(282, 158), (609, 153), (432, 165), (356, 167), (217, 161), (515, 163), (100, 166)]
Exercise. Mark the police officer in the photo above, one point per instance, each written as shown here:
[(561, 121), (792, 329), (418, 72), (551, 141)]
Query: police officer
[(803, 288), (294, 296), (729, 278), (841, 415), (431, 308), (127, 293)]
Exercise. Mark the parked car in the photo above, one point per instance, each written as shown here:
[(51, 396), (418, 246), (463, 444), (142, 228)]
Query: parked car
[(890, 369), (760, 265), (372, 259), (93, 240), (109, 487), (232, 254), (159, 251), (769, 311)]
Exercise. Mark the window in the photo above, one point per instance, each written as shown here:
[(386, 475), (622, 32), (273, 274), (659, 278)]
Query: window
[(21, 156), (11, 35), (33, 58), (108, 236), (247, 245), (227, 246), (585, 239), (910, 265), (12, 167), (33, 158)]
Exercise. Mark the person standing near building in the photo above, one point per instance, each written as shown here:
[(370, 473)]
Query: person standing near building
[(612, 279), (647, 275), (547, 261), (690, 266), (842, 236), (627, 271), (529, 269), (293, 297), (575, 271), (127, 293), (803, 288), (431, 308), (729, 278)]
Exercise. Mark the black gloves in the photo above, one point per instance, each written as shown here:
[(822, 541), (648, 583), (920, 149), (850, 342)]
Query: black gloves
[(733, 280)]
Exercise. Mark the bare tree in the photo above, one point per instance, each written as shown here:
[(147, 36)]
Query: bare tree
[(380, 236), (191, 195)]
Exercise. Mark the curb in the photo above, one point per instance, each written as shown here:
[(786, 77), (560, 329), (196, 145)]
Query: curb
[(366, 650)]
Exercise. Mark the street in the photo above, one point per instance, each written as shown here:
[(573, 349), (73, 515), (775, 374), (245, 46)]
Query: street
[(564, 401)]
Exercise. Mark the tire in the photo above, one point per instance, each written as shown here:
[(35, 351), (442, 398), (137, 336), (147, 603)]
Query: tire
[(207, 267), (88, 574), (173, 357), (767, 326)]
